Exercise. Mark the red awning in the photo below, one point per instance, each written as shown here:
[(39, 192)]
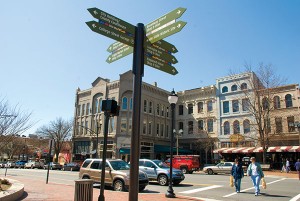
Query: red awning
[(294, 149), (284, 149), (219, 150), (239, 150), (273, 149), (248, 150), (258, 149)]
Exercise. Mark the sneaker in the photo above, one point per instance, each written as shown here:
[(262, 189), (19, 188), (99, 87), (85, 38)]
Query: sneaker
[(256, 194)]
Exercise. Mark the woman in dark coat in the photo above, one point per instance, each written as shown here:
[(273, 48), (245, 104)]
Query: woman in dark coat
[(238, 173)]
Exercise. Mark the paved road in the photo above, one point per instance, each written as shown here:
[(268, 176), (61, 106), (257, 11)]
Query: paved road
[(204, 187)]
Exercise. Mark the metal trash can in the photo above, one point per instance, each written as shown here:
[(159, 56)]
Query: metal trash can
[(83, 190)]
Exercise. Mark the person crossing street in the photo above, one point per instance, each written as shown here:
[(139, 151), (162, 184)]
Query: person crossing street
[(254, 170)]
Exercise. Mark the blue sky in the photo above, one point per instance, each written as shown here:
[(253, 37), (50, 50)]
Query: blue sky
[(47, 50)]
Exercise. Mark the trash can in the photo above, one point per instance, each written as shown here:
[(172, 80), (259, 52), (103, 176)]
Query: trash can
[(83, 190)]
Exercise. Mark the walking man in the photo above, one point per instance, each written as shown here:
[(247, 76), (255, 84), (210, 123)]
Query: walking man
[(287, 165), (297, 166), (238, 173), (256, 173)]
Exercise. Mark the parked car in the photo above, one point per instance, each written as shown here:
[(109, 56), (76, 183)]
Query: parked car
[(53, 166), (10, 164), (160, 172), (2, 164), (116, 173), (34, 164), (224, 168), (71, 167), (20, 164), (186, 163)]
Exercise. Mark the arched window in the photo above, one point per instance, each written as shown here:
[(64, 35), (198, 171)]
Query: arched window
[(288, 100), (130, 104), (276, 102), (236, 127), (100, 105), (124, 103), (234, 87), (224, 89), (244, 86), (200, 107), (265, 103), (95, 105), (226, 128), (246, 125)]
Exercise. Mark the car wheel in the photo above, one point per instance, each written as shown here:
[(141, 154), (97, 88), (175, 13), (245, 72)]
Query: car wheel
[(162, 180), (141, 188), (119, 185), (210, 171), (176, 182), (184, 170)]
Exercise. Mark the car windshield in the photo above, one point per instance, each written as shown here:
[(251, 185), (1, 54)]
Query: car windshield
[(161, 164), (119, 165)]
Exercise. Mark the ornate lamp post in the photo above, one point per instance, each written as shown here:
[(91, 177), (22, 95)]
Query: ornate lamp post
[(173, 98)]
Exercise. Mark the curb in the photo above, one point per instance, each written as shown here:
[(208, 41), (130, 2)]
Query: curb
[(14, 192)]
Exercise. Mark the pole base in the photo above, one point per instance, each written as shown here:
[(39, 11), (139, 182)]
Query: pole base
[(170, 193), (101, 198)]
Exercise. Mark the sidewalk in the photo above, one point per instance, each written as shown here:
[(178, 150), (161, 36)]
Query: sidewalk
[(36, 190)]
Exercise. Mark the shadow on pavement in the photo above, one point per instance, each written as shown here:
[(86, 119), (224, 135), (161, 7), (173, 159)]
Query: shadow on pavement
[(149, 191), (178, 185), (24, 196), (275, 196)]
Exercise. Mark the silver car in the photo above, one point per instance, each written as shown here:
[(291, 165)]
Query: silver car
[(160, 172), (221, 168)]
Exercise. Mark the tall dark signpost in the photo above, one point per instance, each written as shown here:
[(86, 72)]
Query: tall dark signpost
[(147, 46)]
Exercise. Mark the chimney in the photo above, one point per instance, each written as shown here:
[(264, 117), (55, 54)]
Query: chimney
[(155, 84)]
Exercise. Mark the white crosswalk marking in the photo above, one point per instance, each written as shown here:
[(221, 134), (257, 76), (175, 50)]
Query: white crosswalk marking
[(295, 198), (201, 189)]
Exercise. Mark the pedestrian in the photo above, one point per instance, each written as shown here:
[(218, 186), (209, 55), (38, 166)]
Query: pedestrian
[(297, 166), (237, 173), (283, 165), (256, 173), (287, 165)]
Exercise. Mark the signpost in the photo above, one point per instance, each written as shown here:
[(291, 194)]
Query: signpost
[(151, 50)]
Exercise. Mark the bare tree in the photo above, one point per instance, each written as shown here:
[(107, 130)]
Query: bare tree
[(258, 99), (13, 121), (59, 130), (206, 143)]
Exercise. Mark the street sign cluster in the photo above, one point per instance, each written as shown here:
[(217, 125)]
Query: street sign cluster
[(158, 53)]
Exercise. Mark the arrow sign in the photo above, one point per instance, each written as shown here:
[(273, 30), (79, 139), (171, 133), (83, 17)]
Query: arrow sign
[(126, 50), (106, 30), (104, 16), (115, 46), (167, 31), (165, 57), (164, 46), (152, 26), (160, 66)]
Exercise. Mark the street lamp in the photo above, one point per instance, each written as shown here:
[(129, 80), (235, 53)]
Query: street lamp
[(173, 98), (180, 132)]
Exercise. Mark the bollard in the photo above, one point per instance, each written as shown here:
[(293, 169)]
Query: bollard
[(83, 190)]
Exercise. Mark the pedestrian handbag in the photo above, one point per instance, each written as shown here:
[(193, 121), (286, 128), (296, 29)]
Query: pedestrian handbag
[(263, 183), (231, 181)]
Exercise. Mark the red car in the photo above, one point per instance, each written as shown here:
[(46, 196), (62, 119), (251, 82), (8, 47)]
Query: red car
[(186, 163)]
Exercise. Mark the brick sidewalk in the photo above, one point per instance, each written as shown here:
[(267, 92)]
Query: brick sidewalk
[(36, 190)]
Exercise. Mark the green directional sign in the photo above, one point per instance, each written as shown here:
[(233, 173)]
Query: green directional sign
[(160, 66), (165, 46), (167, 31), (115, 46), (110, 19), (126, 50), (163, 20), (165, 57), (110, 32)]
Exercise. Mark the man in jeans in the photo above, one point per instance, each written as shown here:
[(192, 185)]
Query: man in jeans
[(256, 173)]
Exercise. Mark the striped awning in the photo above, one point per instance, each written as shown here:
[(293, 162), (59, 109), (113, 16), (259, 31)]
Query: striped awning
[(294, 149), (245, 150)]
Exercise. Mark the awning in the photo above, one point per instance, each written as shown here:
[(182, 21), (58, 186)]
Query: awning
[(124, 150), (245, 150), (294, 149), (166, 149)]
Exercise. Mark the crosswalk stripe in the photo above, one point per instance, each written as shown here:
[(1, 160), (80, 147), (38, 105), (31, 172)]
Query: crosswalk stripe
[(200, 189), (247, 189), (295, 198)]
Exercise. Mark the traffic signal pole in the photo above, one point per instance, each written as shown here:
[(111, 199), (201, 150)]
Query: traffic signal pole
[(138, 71)]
